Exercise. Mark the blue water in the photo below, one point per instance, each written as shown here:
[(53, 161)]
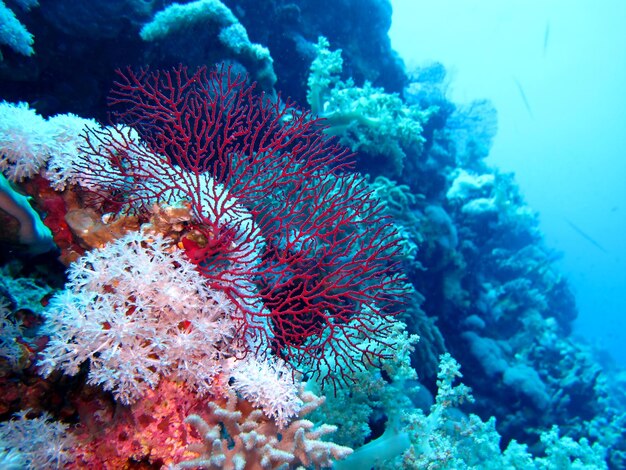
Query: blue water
[(556, 75)]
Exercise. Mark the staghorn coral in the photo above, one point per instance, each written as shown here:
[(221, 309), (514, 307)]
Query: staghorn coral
[(253, 442)]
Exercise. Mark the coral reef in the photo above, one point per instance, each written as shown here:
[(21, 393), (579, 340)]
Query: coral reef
[(324, 246), (224, 295), (189, 263)]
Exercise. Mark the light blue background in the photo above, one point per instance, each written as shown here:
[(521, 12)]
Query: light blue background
[(569, 152)]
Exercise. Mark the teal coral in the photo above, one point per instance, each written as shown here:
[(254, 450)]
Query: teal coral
[(214, 17), (365, 118), (448, 439), (13, 33), (353, 406), (177, 17)]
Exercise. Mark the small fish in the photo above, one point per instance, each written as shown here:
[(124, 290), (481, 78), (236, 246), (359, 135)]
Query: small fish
[(546, 37), (524, 99), (585, 236)]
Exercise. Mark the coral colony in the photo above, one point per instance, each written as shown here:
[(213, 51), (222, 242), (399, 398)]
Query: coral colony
[(244, 255), (298, 245), (215, 277)]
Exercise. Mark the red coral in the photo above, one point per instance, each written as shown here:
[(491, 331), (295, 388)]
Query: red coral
[(288, 225), (55, 208), (151, 431)]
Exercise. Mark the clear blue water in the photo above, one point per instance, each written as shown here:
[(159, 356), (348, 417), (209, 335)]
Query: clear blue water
[(556, 74)]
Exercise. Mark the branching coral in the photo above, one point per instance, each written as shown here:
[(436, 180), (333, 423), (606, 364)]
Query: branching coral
[(253, 441), (298, 244)]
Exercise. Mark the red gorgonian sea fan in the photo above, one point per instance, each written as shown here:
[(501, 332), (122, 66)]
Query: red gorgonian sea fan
[(295, 240)]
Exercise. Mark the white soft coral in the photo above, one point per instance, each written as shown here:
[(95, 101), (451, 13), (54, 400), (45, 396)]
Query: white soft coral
[(68, 131), (268, 384), (29, 143), (138, 310), (24, 141)]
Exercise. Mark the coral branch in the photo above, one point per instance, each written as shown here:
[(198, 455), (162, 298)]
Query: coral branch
[(295, 241)]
